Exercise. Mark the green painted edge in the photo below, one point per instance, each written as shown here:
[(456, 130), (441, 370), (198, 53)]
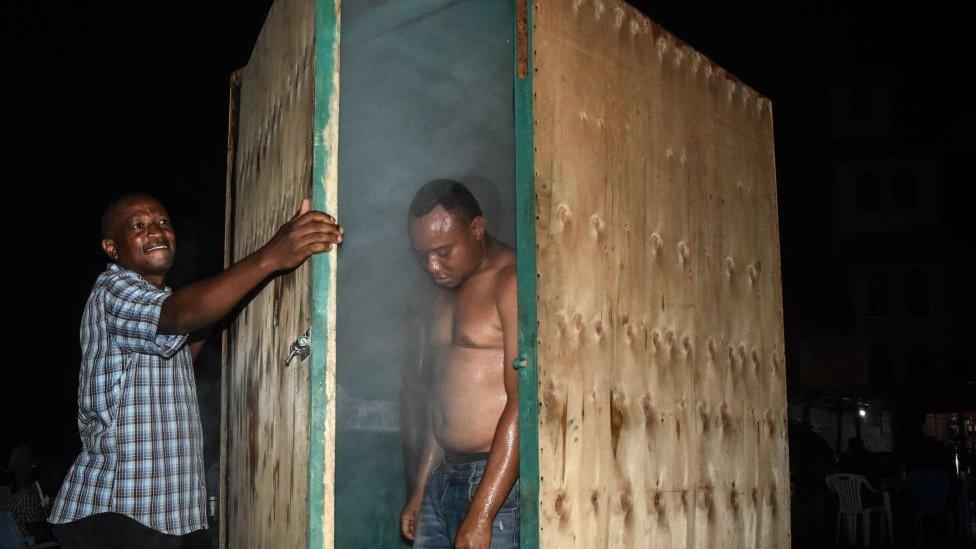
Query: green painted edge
[(525, 216), (326, 42)]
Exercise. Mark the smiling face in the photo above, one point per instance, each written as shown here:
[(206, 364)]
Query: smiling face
[(139, 237), (449, 247)]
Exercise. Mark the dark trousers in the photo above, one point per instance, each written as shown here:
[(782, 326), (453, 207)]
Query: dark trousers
[(115, 531)]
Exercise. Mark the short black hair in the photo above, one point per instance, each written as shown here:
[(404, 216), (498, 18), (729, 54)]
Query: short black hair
[(452, 195), (109, 212)]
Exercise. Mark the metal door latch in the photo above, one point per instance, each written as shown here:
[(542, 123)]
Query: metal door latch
[(520, 363), (300, 348)]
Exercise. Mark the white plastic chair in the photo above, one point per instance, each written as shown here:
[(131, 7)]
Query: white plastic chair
[(847, 486)]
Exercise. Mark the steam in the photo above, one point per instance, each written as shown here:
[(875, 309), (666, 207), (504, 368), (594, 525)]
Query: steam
[(426, 93)]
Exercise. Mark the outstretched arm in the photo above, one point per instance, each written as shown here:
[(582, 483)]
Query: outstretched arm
[(503, 461), (203, 303)]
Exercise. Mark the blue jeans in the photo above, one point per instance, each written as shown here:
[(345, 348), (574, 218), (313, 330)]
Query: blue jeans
[(448, 495)]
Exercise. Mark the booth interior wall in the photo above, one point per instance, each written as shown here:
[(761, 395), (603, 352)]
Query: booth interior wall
[(426, 94)]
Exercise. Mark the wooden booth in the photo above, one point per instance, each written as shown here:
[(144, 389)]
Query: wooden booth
[(637, 181)]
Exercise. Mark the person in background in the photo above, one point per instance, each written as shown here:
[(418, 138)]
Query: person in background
[(29, 507), (20, 466), (139, 480)]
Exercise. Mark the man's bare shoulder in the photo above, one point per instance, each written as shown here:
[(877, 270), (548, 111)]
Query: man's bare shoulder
[(506, 282)]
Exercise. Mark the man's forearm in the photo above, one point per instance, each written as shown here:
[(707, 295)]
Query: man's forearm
[(201, 304), (501, 470), (413, 428), (428, 461)]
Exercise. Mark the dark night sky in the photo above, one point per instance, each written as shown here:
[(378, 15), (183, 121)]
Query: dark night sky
[(105, 98)]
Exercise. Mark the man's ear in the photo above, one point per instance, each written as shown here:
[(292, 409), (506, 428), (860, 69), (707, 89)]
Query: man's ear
[(478, 226), (109, 246)]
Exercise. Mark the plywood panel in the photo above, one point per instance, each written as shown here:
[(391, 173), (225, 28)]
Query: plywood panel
[(267, 419), (660, 347), (233, 113)]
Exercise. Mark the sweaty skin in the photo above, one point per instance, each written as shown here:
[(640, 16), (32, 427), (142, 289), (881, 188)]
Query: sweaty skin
[(469, 345)]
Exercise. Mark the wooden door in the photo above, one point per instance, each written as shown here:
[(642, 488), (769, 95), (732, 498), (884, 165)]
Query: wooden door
[(654, 384), (276, 431)]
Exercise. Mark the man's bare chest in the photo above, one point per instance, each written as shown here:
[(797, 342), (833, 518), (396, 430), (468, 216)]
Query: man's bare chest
[(468, 319)]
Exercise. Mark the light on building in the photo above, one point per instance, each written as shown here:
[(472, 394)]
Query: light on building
[(862, 412)]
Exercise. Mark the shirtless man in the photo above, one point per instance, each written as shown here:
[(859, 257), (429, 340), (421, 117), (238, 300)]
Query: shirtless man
[(466, 492)]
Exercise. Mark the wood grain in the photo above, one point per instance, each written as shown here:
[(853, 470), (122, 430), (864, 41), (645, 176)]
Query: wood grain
[(267, 402), (661, 373)]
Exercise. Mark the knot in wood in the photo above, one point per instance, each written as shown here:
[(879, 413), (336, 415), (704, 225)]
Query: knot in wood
[(662, 46), (560, 322), (656, 243), (600, 9), (597, 224), (558, 504), (564, 214), (726, 418), (734, 500), (578, 321), (682, 252), (658, 503), (618, 16), (679, 56), (730, 89), (703, 415), (647, 406), (695, 63)]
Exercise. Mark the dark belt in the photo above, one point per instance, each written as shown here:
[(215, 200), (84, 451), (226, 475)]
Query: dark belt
[(456, 458)]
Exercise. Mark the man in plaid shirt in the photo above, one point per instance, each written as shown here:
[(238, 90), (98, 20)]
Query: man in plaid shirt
[(139, 480)]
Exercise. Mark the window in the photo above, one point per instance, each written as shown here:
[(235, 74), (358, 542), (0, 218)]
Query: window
[(955, 291), (879, 299), (903, 193), (868, 192), (879, 365), (916, 294)]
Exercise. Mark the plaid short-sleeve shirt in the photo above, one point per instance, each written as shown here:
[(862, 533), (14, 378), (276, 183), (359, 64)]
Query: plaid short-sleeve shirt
[(142, 447)]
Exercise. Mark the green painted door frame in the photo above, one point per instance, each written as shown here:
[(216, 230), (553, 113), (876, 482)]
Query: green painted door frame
[(326, 91), (324, 155), (525, 214)]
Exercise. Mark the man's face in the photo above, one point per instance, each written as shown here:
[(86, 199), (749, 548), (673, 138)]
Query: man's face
[(447, 246), (142, 237)]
